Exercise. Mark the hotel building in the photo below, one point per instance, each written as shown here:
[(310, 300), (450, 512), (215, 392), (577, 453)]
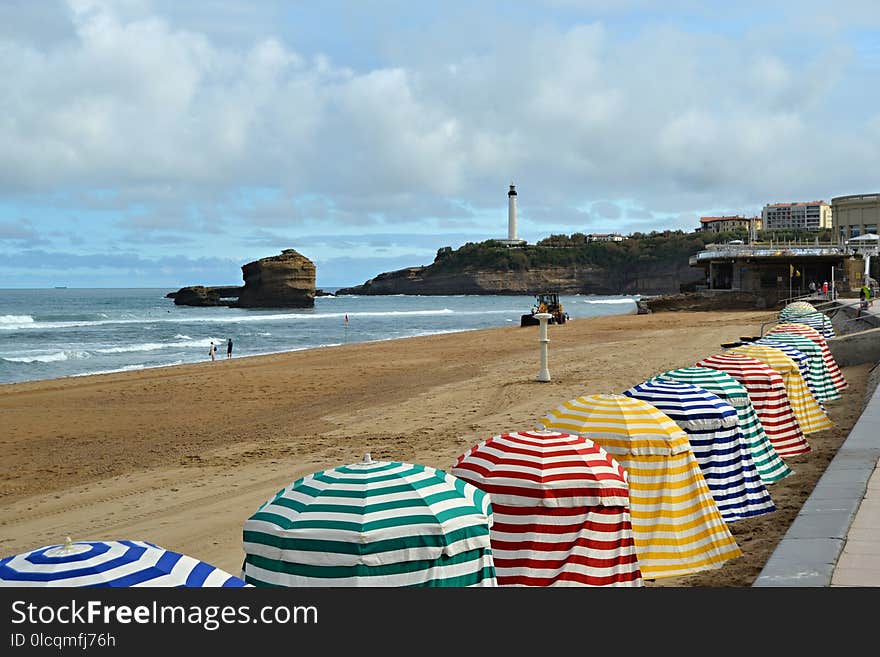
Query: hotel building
[(811, 215), (727, 224)]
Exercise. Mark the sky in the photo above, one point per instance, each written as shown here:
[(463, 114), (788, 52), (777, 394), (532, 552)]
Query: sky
[(154, 143)]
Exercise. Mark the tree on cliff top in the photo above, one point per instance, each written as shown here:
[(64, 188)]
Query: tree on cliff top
[(639, 250)]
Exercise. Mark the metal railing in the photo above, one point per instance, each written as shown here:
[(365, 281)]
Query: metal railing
[(837, 305)]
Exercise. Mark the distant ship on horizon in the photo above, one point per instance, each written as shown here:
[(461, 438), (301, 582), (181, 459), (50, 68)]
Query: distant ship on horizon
[(60, 287)]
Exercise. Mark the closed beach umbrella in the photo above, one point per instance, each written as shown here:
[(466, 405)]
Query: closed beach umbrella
[(764, 452), (819, 321), (110, 563), (811, 417), (374, 523), (767, 393), (676, 524), (712, 426), (560, 505), (796, 309), (820, 380), (814, 335), (799, 357)]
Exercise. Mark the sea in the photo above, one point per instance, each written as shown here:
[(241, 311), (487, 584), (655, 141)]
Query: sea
[(71, 332)]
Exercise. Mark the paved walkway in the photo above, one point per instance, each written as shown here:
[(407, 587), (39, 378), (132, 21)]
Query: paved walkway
[(835, 539)]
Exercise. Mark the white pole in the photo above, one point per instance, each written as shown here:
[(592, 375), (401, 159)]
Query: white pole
[(543, 318)]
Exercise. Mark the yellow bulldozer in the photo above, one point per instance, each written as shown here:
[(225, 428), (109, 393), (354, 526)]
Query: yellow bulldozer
[(545, 303)]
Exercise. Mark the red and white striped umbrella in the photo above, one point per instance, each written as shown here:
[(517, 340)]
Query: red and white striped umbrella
[(768, 395), (802, 329), (810, 415), (561, 510)]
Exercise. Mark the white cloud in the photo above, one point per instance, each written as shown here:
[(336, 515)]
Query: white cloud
[(169, 117)]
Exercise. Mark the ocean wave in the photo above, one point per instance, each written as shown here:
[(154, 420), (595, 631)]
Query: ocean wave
[(180, 336), (235, 319), (15, 321), (604, 301), (155, 346), (127, 368), (54, 357)]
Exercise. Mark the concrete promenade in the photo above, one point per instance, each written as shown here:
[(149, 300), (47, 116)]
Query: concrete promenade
[(835, 539)]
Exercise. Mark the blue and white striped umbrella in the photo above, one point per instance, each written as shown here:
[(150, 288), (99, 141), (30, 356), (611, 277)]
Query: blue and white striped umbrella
[(817, 320), (712, 426), (110, 563)]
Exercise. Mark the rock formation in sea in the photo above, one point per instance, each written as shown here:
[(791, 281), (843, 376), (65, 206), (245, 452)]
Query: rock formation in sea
[(283, 281)]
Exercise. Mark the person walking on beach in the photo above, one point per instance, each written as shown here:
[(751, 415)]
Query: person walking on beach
[(229, 348), (212, 351)]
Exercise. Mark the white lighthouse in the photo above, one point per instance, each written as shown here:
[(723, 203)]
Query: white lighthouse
[(512, 239), (511, 213)]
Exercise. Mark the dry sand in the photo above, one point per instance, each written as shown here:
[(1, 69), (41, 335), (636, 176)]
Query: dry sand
[(181, 456)]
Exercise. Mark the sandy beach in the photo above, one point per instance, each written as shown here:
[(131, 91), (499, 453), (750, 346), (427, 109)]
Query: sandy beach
[(181, 456)]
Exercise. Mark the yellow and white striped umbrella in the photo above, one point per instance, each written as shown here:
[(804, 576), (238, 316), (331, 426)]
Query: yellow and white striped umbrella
[(677, 526), (810, 415)]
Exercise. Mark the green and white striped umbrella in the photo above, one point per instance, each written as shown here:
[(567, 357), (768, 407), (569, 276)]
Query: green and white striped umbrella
[(797, 308), (813, 318), (820, 381), (374, 523)]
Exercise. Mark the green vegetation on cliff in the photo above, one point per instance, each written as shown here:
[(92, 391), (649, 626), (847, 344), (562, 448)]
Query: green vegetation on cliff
[(672, 247), (643, 263), (574, 250)]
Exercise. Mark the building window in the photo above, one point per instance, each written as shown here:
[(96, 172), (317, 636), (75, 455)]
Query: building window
[(854, 231), (871, 228)]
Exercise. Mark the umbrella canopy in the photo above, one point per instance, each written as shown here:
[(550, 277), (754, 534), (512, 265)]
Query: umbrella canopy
[(799, 306), (764, 453), (819, 321), (811, 417), (375, 523), (676, 524), (799, 357), (820, 380), (561, 510), (814, 335), (796, 309), (712, 426), (110, 563), (767, 393)]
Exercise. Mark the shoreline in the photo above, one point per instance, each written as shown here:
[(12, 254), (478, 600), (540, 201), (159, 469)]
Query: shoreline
[(57, 359), (182, 455)]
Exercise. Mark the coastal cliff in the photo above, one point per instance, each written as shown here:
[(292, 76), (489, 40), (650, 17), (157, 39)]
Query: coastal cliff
[(283, 281), (563, 280), (645, 264)]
